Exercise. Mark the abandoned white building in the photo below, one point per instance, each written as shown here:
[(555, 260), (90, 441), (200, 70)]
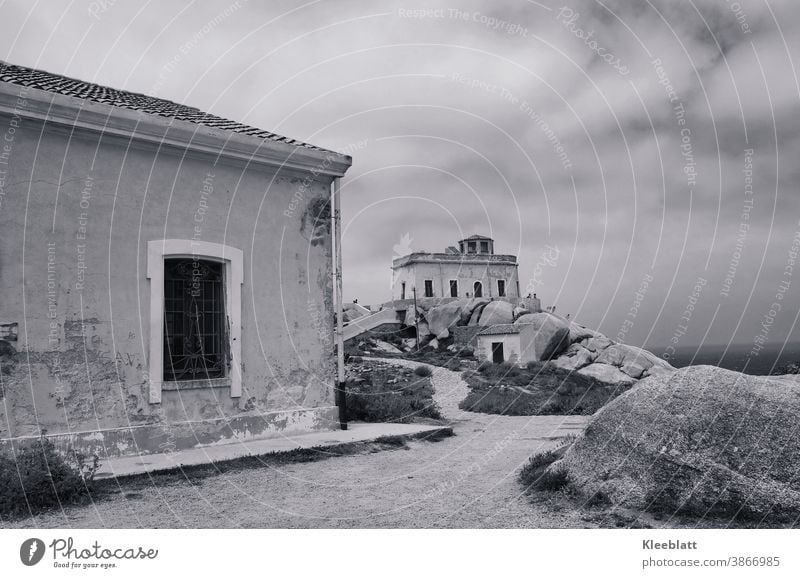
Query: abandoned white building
[(471, 270), (166, 273)]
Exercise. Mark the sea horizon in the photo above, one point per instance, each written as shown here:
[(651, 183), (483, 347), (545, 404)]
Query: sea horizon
[(772, 359)]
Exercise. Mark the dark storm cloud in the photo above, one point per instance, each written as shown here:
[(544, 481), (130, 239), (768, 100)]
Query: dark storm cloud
[(548, 123)]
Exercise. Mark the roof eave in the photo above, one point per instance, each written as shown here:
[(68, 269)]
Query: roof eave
[(77, 114)]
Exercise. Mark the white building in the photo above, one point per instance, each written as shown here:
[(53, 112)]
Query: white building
[(471, 270)]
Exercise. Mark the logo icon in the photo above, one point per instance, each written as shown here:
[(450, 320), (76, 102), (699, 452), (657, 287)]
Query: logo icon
[(31, 552), (403, 248)]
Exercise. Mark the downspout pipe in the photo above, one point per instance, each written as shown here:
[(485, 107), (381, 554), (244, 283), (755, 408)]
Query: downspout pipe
[(336, 256)]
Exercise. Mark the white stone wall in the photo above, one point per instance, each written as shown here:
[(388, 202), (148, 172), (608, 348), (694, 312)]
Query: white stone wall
[(511, 346), (81, 210), (466, 273)]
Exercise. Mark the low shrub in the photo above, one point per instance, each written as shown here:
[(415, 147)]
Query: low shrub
[(538, 389), (387, 394), (485, 366), (534, 475), (423, 371), (38, 478)]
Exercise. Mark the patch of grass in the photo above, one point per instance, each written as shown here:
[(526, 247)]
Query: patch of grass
[(384, 393), (37, 478), (196, 473), (441, 357), (423, 371), (538, 389), (534, 475)]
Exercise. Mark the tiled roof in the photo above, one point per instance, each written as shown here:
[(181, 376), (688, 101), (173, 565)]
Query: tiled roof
[(134, 101), (501, 329)]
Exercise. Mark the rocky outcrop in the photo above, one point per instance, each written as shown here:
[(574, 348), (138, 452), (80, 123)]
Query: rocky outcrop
[(551, 336), (443, 317), (578, 332), (592, 353), (497, 313), (574, 358), (521, 310), (566, 344), (469, 308), (701, 440), (607, 374)]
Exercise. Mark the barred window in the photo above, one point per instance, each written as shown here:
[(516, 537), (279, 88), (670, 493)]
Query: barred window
[(194, 320)]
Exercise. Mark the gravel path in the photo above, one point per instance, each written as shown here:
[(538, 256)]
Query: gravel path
[(466, 481), (449, 388)]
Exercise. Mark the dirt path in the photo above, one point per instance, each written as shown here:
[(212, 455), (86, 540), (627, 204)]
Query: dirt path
[(468, 480)]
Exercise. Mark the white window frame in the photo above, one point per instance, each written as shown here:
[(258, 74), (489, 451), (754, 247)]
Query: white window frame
[(233, 263), (424, 287), (450, 290)]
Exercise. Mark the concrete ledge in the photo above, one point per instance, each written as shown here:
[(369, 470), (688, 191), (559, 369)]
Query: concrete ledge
[(158, 437), (357, 432)]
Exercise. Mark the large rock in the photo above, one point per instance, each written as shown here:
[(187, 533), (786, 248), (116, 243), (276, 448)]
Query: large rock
[(442, 317), (410, 317), (521, 310), (551, 337), (597, 343), (497, 313), (475, 318), (700, 439), (575, 357), (607, 374), (422, 330), (386, 347), (469, 307), (578, 332), (631, 360)]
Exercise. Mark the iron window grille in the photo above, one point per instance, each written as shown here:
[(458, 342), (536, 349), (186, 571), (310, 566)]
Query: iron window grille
[(194, 320)]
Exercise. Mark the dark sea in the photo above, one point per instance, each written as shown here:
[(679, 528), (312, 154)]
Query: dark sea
[(771, 360)]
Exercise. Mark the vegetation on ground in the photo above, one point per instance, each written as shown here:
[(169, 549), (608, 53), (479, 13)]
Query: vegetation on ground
[(537, 389), (378, 392), (534, 474), (35, 478)]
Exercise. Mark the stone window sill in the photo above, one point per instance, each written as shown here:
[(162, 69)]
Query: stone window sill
[(196, 384)]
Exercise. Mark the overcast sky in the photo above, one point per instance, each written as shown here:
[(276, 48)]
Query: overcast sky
[(604, 143)]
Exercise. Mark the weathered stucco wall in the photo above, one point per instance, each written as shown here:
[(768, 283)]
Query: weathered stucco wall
[(465, 272), (517, 347), (77, 212)]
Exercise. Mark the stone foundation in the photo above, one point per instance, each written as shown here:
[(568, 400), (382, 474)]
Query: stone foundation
[(168, 437)]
